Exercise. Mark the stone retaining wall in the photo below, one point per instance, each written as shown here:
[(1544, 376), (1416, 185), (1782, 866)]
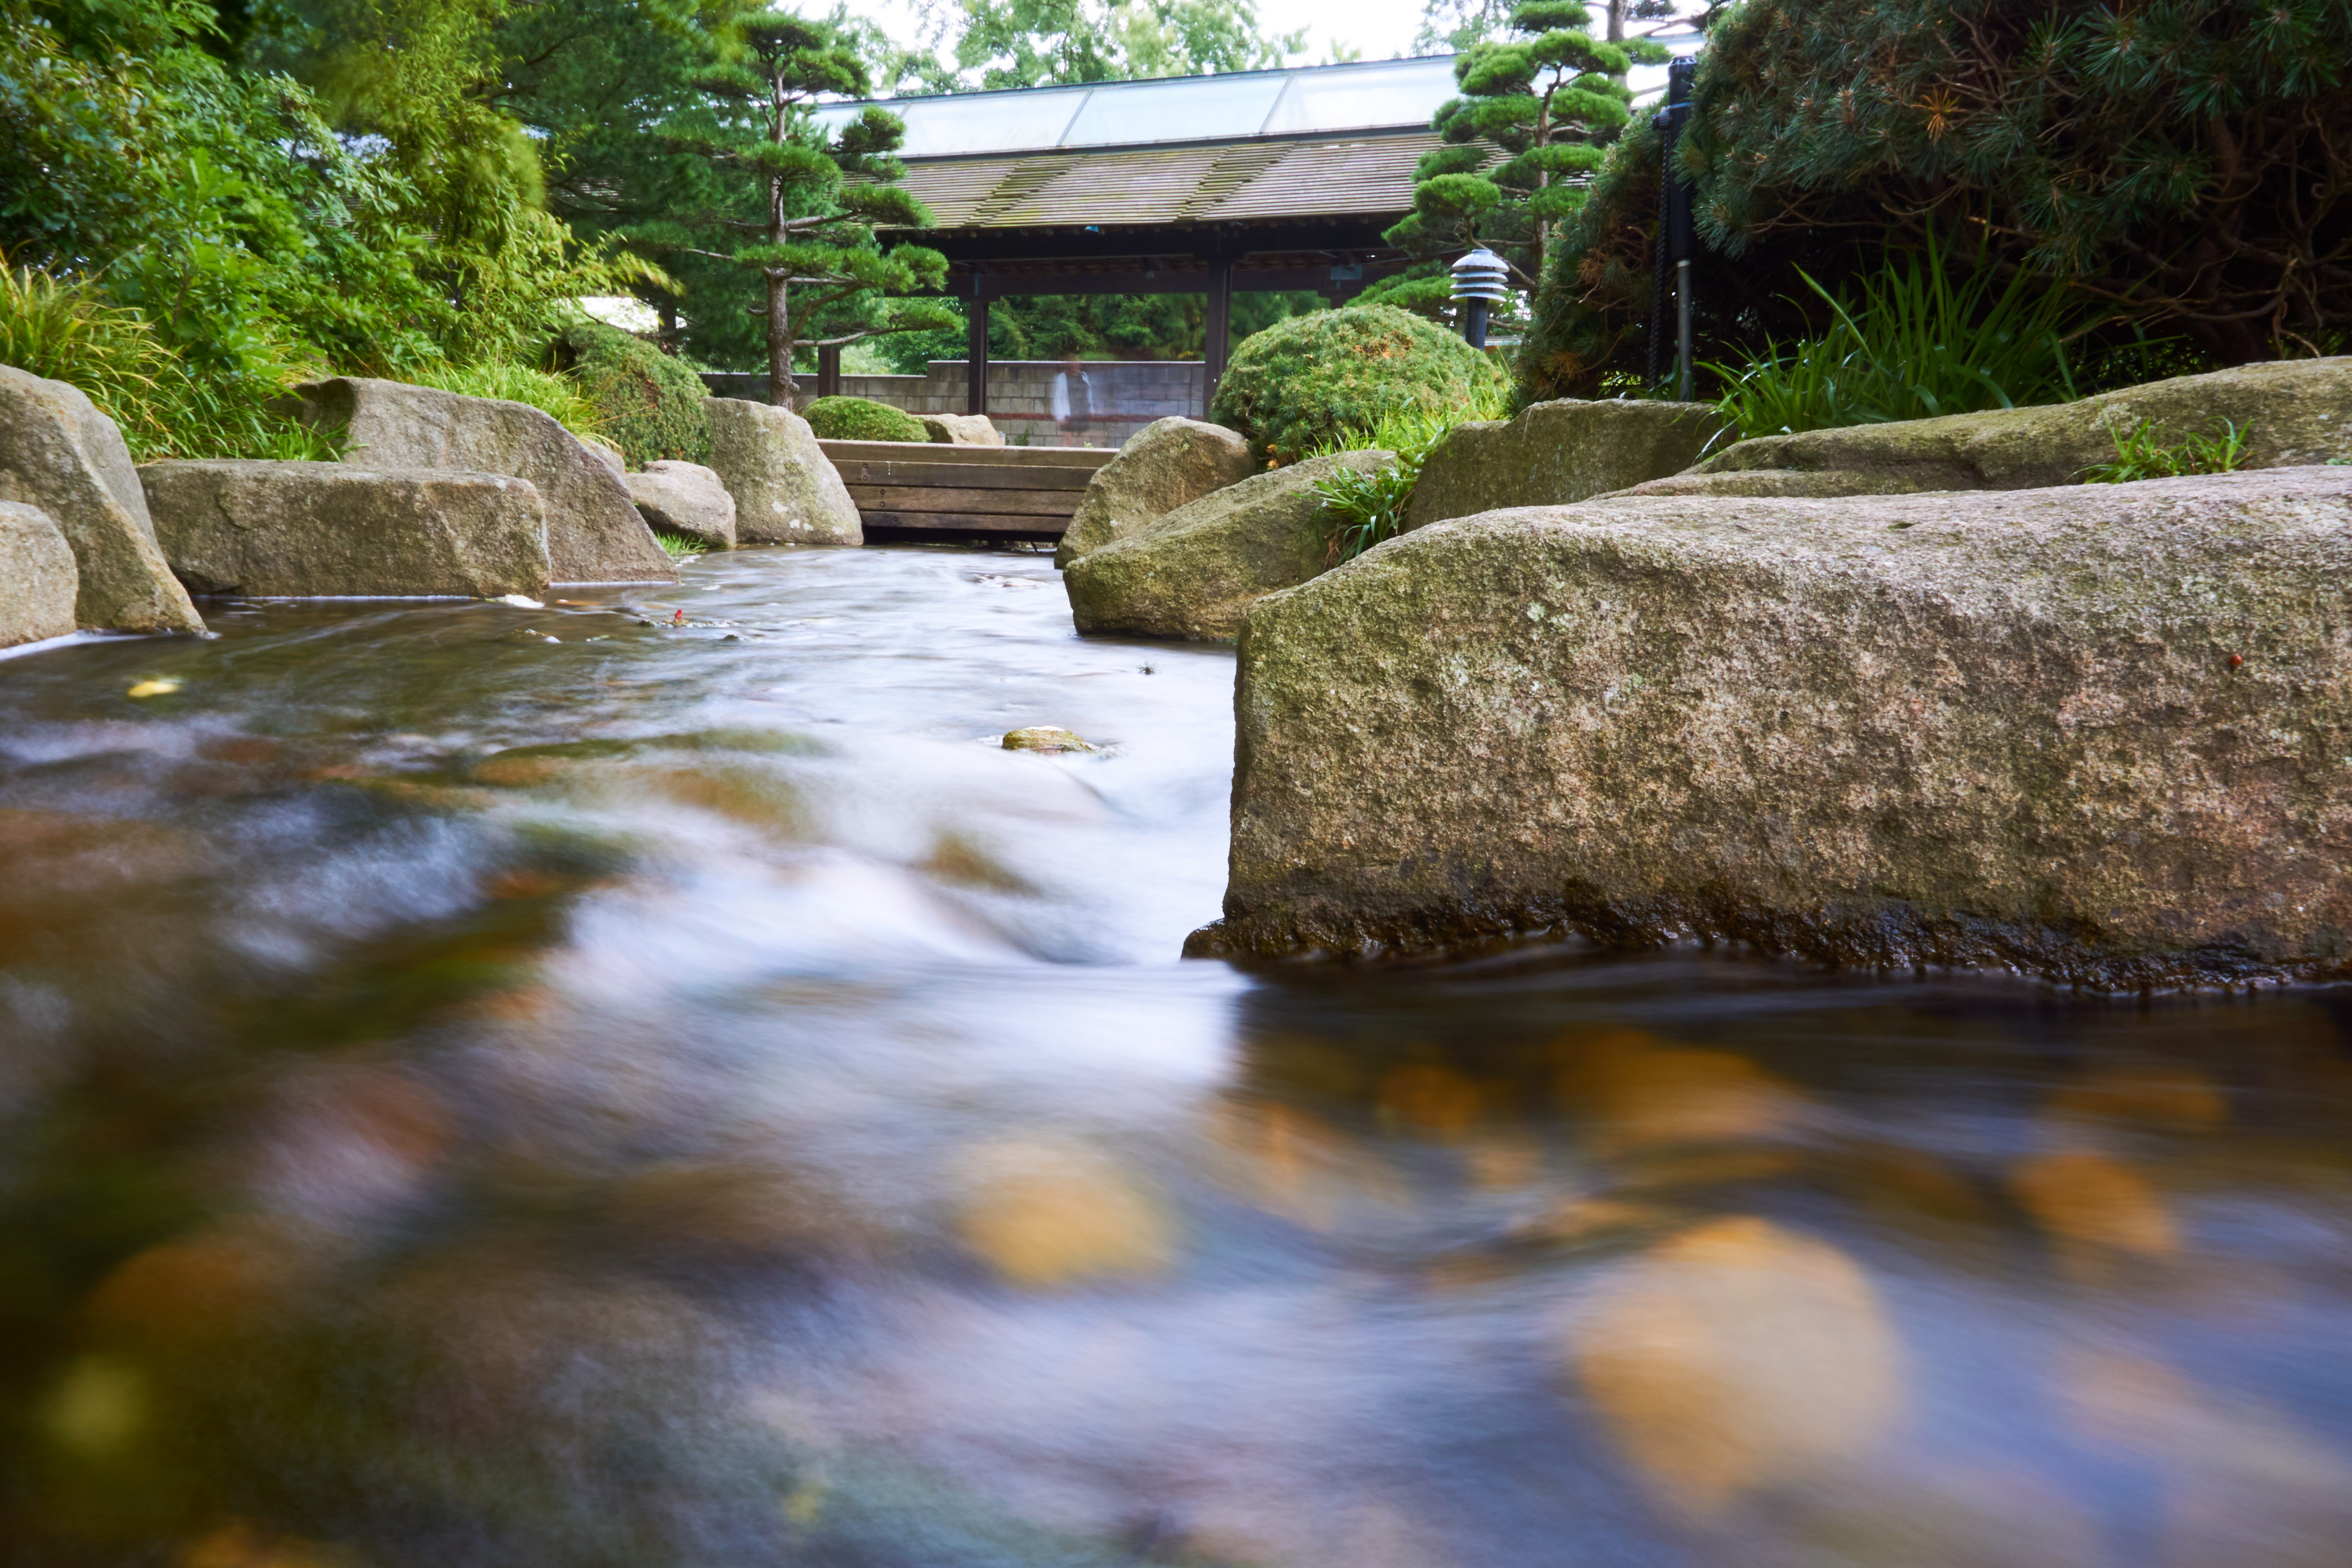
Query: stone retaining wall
[(1128, 394)]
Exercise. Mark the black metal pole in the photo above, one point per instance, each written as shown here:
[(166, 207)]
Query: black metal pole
[(1677, 240), (1474, 326)]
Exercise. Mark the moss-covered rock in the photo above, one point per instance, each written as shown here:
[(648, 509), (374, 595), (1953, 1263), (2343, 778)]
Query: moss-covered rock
[(1191, 573), (2096, 732), (2290, 412), (862, 419), (1557, 452), (650, 403), (1169, 463), (1314, 379)]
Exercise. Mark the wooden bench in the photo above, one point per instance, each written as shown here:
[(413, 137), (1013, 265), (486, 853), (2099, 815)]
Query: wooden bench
[(906, 490)]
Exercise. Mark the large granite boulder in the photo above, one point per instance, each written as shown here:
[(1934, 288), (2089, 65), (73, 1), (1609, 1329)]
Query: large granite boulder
[(321, 530), (59, 453), (1191, 573), (786, 489), (2101, 733), (38, 579), (1553, 453), (2293, 411), (593, 534), (960, 429), (1167, 464), (685, 498)]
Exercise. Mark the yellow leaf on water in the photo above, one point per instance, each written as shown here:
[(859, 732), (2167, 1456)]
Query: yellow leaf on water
[(162, 686)]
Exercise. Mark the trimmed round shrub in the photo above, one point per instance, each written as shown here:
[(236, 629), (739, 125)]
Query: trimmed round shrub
[(1314, 380), (648, 404), (862, 419)]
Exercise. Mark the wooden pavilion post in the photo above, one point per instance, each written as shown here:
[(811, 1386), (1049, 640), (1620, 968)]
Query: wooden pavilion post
[(1221, 329), (975, 395)]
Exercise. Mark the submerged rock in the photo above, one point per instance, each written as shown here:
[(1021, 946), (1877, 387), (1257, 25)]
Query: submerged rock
[(960, 429), (1553, 453), (321, 530), (593, 534), (685, 498), (1167, 464), (1044, 738), (786, 489), (59, 454), (1191, 573), (2101, 733), (2291, 412), (38, 579)]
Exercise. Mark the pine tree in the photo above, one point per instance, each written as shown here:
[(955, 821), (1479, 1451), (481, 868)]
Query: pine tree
[(809, 235), (1520, 142)]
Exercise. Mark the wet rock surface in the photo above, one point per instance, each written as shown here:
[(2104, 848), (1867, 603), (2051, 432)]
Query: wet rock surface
[(2101, 733), (59, 454), (1193, 572), (2291, 412), (1167, 464), (38, 576), (1044, 738), (1557, 452), (786, 489), (308, 530), (593, 534), (685, 498)]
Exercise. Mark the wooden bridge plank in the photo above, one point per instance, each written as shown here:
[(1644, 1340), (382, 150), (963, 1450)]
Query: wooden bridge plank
[(995, 523), (965, 476), (940, 497), (1084, 458)]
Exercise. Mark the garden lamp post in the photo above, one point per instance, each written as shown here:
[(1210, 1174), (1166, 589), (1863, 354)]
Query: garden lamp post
[(1677, 241), (1482, 280)]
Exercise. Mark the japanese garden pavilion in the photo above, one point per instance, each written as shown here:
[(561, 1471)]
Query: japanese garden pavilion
[(1205, 184)]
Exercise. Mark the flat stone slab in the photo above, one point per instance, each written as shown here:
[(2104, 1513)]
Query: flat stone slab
[(38, 579), (2292, 412), (338, 530), (2101, 733), (594, 533)]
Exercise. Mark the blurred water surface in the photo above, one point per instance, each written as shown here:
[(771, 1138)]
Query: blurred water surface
[(594, 1086)]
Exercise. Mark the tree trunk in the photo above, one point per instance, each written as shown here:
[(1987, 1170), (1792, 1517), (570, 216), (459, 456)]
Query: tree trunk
[(1616, 21), (780, 340)]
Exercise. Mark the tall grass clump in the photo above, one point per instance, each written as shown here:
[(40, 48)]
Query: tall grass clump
[(1370, 508), (1913, 342)]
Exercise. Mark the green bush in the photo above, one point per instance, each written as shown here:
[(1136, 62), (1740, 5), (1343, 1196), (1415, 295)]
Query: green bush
[(648, 404), (1300, 385), (2178, 158), (862, 419)]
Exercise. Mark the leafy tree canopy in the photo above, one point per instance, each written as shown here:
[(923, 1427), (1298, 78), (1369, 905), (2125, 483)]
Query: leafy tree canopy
[(987, 43)]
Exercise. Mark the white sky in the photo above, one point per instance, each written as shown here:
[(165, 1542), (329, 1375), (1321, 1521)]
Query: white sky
[(1378, 30)]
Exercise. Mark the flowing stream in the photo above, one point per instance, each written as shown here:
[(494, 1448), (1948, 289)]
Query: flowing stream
[(649, 1081)]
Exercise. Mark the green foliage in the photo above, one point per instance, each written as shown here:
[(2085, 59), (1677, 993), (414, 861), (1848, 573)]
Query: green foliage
[(647, 402), (551, 394), (679, 546), (1299, 385), (1038, 43), (812, 239), (2178, 158), (862, 419), (2143, 453), (1911, 343), (1521, 139), (1371, 508)]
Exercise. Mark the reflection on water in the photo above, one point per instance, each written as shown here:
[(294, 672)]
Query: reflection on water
[(682, 1096)]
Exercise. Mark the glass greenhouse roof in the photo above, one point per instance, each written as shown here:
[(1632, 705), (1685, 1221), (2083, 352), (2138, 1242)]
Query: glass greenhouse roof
[(1306, 102)]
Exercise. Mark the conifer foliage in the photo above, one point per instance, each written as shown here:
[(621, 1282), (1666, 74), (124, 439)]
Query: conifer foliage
[(1521, 138), (2182, 162), (819, 198)]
